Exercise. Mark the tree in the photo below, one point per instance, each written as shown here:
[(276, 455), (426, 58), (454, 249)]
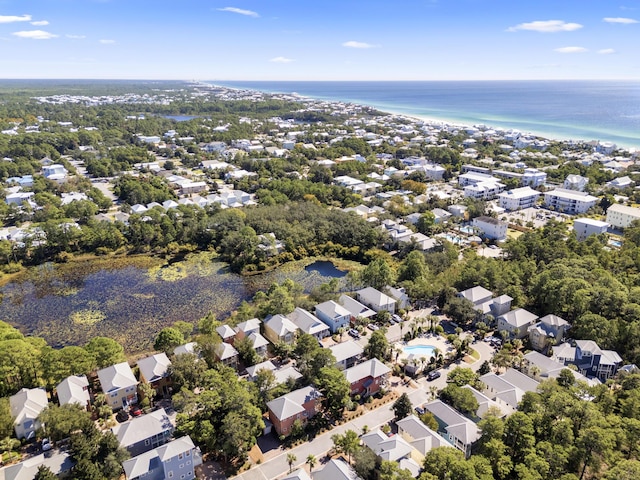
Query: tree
[(347, 443), (187, 371), (44, 473), (185, 328), (291, 459), (391, 471), (429, 420), (335, 389), (67, 361), (60, 421), (366, 463), (168, 339), (106, 351), (378, 346), (248, 355), (461, 399), (460, 377), (414, 267), (377, 274), (6, 420), (402, 407), (426, 222), (311, 461)]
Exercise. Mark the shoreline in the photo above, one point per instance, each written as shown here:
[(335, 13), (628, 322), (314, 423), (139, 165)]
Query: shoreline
[(455, 122)]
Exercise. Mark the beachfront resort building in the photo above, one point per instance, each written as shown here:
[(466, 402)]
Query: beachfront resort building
[(569, 201), (621, 216)]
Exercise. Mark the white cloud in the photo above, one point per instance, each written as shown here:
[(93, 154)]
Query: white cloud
[(571, 50), (35, 34), (240, 11), (40, 23), (626, 21), (14, 18), (282, 60), (106, 41), (546, 26), (76, 37), (354, 44), (606, 51)]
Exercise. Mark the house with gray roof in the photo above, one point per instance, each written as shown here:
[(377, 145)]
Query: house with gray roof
[(74, 389), (309, 323), (347, 354), (282, 374), (227, 333), (392, 449), (484, 302), (176, 459), (187, 348), (299, 474), (355, 308), (549, 330), (421, 437), (259, 343), (516, 322), (589, 358), (59, 464), (376, 300), (226, 354), (301, 404), (145, 432), (458, 429), (26, 406), (154, 370), (485, 404), (119, 384), (336, 469), (244, 329), (367, 378), (278, 328), (333, 314), (507, 389)]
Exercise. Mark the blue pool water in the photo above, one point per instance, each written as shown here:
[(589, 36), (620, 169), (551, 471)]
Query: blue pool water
[(419, 350)]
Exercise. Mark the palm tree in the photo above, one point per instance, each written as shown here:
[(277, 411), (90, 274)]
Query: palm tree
[(365, 429), (311, 460), (291, 458)]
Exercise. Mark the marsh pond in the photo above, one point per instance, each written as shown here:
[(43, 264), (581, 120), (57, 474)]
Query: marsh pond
[(131, 298)]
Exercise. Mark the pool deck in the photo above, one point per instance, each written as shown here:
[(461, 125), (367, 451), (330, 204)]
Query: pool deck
[(435, 341)]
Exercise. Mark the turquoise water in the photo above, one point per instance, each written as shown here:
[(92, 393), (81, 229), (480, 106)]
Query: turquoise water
[(561, 109), (419, 350)]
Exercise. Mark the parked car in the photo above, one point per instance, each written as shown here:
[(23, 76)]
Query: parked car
[(122, 416), (46, 445), (419, 410), (373, 327), (433, 375), (396, 317), (135, 411), (354, 333)]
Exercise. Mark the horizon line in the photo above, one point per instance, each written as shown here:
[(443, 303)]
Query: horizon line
[(325, 81)]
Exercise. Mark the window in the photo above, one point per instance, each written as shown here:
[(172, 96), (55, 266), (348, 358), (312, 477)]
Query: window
[(188, 453), (170, 474), (189, 462), (146, 442), (180, 455)]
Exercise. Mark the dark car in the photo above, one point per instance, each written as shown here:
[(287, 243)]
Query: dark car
[(433, 375), (135, 411), (419, 410), (122, 416)]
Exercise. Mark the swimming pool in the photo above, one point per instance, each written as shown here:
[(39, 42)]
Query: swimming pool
[(419, 350)]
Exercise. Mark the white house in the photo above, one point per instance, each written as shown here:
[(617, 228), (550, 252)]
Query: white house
[(621, 216), (74, 389), (25, 406), (533, 177), (516, 322), (376, 300), (585, 227), (333, 314), (575, 182), (491, 228), (119, 384)]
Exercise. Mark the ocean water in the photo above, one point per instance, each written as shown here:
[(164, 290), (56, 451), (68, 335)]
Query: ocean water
[(563, 110)]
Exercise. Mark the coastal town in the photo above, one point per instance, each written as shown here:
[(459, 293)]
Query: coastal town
[(488, 324)]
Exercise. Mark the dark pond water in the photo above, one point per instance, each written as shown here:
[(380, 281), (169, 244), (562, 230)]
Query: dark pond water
[(131, 304), (326, 269)]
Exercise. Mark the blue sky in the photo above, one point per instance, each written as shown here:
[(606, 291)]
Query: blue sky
[(320, 40)]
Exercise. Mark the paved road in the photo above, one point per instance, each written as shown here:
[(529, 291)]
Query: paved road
[(319, 446)]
